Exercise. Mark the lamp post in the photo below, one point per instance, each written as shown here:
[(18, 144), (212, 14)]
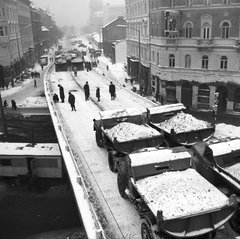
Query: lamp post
[(19, 56), (3, 117), (139, 50)]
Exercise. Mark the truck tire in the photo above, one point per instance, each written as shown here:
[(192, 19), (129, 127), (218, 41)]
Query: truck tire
[(99, 140), (111, 162), (122, 184), (146, 231)]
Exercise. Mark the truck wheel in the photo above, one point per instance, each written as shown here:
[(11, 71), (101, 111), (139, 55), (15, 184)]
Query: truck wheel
[(99, 140), (111, 162), (122, 183), (146, 231)]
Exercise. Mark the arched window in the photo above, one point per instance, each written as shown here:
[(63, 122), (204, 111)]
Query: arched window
[(187, 61), (223, 64), (188, 30), (205, 62), (171, 60), (225, 30), (206, 31), (203, 96)]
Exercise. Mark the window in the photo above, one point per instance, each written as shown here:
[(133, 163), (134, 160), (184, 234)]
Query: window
[(225, 30), (187, 61), (1, 31), (207, 2), (6, 32), (225, 1), (157, 58), (223, 64), (206, 31), (189, 2), (188, 30), (153, 56), (205, 62), (171, 3), (171, 60)]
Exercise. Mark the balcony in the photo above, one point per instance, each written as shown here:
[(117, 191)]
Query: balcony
[(204, 43)]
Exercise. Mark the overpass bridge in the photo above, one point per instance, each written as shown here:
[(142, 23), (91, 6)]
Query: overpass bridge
[(104, 213)]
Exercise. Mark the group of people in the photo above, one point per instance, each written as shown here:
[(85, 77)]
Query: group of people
[(13, 102), (71, 97), (35, 74)]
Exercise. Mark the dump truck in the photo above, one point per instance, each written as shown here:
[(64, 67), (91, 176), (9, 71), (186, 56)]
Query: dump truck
[(123, 131), (219, 162), (172, 198), (180, 128)]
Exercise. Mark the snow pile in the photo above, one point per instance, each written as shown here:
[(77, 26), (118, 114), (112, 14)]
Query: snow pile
[(34, 102)]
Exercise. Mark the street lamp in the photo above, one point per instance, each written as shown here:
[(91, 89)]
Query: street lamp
[(19, 56), (139, 49), (3, 117)]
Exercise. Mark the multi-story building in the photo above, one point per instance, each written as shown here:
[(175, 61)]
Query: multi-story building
[(25, 34), (138, 64), (112, 33), (9, 57), (195, 52), (96, 12), (36, 20)]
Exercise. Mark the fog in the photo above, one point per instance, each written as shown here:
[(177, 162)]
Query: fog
[(71, 12)]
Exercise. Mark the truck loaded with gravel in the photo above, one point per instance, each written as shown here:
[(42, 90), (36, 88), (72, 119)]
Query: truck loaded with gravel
[(172, 199), (219, 162), (179, 127), (122, 131)]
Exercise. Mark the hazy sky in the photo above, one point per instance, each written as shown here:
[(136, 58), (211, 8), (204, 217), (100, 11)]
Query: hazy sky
[(71, 12)]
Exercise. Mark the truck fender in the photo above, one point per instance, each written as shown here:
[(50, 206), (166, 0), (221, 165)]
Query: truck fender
[(122, 179)]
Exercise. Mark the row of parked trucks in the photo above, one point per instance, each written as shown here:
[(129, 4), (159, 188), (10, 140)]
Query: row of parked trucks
[(183, 181)]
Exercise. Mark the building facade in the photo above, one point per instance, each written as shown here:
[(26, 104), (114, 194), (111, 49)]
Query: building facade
[(112, 33), (25, 34), (119, 49), (36, 21), (195, 52), (138, 63)]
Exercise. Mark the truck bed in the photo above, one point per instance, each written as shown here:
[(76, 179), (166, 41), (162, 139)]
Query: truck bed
[(180, 194), (128, 137), (179, 127)]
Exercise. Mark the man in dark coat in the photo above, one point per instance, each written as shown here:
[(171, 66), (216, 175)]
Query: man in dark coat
[(71, 100), (61, 92), (98, 93), (86, 91), (112, 91)]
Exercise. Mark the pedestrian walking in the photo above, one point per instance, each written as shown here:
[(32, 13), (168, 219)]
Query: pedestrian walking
[(55, 98), (71, 100), (75, 71), (35, 82), (98, 93), (32, 74), (86, 91), (5, 104), (112, 91), (107, 68), (61, 93), (14, 106), (42, 67)]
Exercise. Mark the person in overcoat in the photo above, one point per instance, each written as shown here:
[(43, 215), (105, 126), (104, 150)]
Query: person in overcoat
[(61, 93), (86, 91), (71, 100), (112, 91), (98, 93)]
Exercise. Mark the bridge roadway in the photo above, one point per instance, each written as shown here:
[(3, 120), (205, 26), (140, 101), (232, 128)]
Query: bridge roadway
[(115, 216)]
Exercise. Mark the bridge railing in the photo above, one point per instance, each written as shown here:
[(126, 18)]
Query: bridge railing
[(86, 210)]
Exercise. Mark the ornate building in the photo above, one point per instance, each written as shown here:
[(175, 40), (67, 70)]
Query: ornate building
[(195, 52)]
